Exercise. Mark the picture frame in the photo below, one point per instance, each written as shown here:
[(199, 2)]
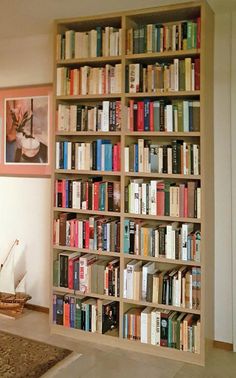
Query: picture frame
[(26, 130)]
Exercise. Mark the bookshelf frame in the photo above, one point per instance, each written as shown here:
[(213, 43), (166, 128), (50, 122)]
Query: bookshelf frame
[(205, 137)]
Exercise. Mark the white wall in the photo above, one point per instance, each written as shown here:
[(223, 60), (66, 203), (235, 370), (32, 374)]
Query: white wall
[(29, 61), (223, 258), (25, 202)]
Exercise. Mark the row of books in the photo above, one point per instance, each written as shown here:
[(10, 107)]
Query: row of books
[(93, 194), (104, 117), (164, 328), (150, 38), (163, 198), (88, 314), (100, 41), (171, 241), (99, 155), (88, 80), (178, 157), (160, 115), (179, 287), (87, 274), (94, 233), (181, 75)]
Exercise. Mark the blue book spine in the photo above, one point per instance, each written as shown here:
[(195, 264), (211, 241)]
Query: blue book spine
[(189, 248), (136, 158), (54, 312), (104, 242), (126, 236), (65, 155), (102, 196), (99, 157), (76, 275), (146, 114), (87, 317), (108, 157), (72, 312)]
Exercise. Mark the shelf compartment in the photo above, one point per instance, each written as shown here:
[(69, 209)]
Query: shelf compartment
[(88, 133), (86, 172), (163, 133)]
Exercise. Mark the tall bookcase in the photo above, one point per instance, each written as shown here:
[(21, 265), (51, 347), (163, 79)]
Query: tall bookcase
[(123, 57)]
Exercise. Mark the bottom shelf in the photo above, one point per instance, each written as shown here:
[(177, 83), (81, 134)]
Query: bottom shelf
[(135, 346)]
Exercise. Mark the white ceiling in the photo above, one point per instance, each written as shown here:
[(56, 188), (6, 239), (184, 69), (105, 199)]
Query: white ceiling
[(28, 17)]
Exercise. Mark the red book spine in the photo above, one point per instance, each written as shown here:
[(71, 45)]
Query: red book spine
[(198, 32), (96, 196), (87, 234), (71, 274), (118, 154), (66, 315), (131, 120), (185, 202), (115, 158), (151, 115), (140, 116), (197, 74)]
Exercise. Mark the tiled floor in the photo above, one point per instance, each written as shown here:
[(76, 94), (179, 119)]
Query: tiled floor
[(98, 361)]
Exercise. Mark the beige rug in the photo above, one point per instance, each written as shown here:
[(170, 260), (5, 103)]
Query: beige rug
[(23, 358)]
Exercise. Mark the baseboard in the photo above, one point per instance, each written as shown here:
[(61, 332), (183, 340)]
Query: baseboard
[(37, 308), (223, 345)]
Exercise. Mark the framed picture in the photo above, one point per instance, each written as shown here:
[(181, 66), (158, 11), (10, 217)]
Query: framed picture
[(26, 130)]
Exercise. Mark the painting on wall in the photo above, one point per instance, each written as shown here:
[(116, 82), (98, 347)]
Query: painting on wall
[(26, 130)]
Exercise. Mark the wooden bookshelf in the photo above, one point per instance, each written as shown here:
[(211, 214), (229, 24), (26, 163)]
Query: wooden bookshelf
[(204, 137)]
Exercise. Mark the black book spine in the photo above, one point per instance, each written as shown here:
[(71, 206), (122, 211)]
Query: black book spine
[(165, 164), (110, 196), (131, 236), (79, 118), (174, 157), (61, 155), (73, 155), (162, 115), (70, 184)]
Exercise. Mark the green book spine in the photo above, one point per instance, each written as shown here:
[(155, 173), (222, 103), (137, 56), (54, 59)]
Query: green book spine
[(167, 198), (78, 306), (194, 35), (99, 40), (189, 34), (182, 75), (102, 196), (56, 273)]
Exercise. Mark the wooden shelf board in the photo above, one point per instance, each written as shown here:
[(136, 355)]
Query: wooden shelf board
[(163, 133), (99, 59), (85, 250), (161, 260), (88, 133), (98, 97), (85, 172), (162, 175), (164, 54), (162, 218), (163, 94), (161, 306), (89, 212)]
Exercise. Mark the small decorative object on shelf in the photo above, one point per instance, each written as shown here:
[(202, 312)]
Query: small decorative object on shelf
[(12, 282)]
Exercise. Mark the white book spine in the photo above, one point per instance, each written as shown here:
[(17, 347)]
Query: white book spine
[(169, 118), (184, 239), (168, 242), (57, 155), (144, 198), (153, 327), (144, 327), (125, 283), (130, 281), (198, 203), (153, 209), (126, 159), (105, 116)]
